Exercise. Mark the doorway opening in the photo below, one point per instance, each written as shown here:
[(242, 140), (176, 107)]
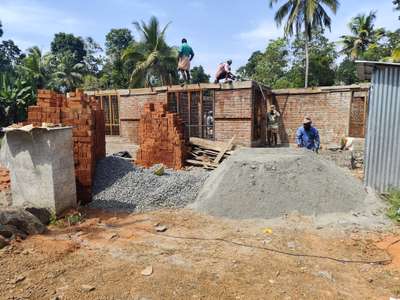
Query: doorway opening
[(196, 109)]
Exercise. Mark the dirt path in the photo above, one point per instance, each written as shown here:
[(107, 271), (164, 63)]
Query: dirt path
[(108, 253)]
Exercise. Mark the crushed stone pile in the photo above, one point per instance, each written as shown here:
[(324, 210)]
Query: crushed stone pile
[(121, 185), (270, 183)]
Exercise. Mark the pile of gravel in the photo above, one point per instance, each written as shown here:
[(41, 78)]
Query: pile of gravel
[(270, 183), (120, 185)]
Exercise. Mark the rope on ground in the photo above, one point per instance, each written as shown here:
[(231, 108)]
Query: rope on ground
[(340, 260)]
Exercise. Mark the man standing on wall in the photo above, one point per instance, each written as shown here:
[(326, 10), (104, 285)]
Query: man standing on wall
[(185, 56), (273, 126), (307, 136)]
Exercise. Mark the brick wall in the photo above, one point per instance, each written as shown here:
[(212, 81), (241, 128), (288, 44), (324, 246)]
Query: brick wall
[(233, 104), (233, 115), (226, 129), (329, 110), (130, 110)]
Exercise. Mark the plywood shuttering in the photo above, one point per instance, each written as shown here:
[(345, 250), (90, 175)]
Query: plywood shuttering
[(109, 103), (193, 107), (357, 117)]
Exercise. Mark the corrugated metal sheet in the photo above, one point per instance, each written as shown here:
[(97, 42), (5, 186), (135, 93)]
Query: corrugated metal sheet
[(382, 152)]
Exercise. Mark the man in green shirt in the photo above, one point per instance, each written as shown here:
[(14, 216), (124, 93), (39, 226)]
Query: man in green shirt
[(185, 56)]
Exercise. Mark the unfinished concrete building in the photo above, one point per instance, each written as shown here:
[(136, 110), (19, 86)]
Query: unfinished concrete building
[(239, 109)]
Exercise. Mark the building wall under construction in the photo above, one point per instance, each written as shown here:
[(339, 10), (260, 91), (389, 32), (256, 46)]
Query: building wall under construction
[(337, 112), (238, 110), (130, 110)]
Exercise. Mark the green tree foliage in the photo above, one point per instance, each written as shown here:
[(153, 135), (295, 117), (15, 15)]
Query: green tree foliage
[(248, 70), (10, 56), (92, 83), (93, 60), (391, 46), (116, 73), (322, 56), (363, 35), (15, 96), (346, 72), (397, 5), (67, 74), (153, 60), (302, 18), (34, 68), (65, 42), (269, 67), (198, 75), (117, 40), (282, 65)]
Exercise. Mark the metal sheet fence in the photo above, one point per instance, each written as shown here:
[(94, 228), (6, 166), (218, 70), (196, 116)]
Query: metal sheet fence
[(382, 152)]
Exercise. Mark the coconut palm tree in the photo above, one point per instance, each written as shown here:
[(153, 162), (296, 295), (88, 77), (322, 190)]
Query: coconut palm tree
[(152, 58), (34, 65), (302, 17), (68, 74), (363, 35)]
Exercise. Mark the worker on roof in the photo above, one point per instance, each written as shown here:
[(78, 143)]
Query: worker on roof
[(224, 72), (307, 136), (185, 56), (273, 126)]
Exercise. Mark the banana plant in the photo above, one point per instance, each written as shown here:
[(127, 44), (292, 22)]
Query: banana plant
[(15, 97)]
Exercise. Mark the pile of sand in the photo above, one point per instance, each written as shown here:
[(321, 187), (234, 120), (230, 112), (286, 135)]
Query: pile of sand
[(269, 183)]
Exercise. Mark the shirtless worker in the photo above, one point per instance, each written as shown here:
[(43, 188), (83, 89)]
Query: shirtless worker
[(185, 56), (224, 72)]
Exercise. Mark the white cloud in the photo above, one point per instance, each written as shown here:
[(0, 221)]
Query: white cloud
[(258, 37)]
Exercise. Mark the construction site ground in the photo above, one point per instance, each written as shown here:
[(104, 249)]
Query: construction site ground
[(115, 144), (121, 256)]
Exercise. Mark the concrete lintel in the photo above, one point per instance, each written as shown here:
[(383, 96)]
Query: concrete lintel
[(177, 88), (322, 89)]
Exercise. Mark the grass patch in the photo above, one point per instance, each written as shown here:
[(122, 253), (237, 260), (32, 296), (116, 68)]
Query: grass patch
[(393, 197), (68, 220)]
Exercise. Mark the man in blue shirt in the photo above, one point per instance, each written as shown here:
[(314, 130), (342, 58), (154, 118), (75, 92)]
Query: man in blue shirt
[(307, 136)]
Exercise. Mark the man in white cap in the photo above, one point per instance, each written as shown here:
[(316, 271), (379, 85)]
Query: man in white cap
[(307, 136)]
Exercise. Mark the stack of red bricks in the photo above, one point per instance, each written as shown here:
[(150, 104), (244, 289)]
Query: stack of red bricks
[(4, 179), (161, 138), (87, 119), (47, 109)]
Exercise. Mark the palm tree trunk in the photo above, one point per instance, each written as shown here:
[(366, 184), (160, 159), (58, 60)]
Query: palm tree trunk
[(307, 64)]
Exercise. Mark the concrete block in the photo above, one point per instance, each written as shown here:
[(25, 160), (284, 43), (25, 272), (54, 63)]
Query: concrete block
[(41, 167)]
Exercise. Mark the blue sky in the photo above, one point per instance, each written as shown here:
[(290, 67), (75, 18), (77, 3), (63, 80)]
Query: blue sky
[(216, 29)]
